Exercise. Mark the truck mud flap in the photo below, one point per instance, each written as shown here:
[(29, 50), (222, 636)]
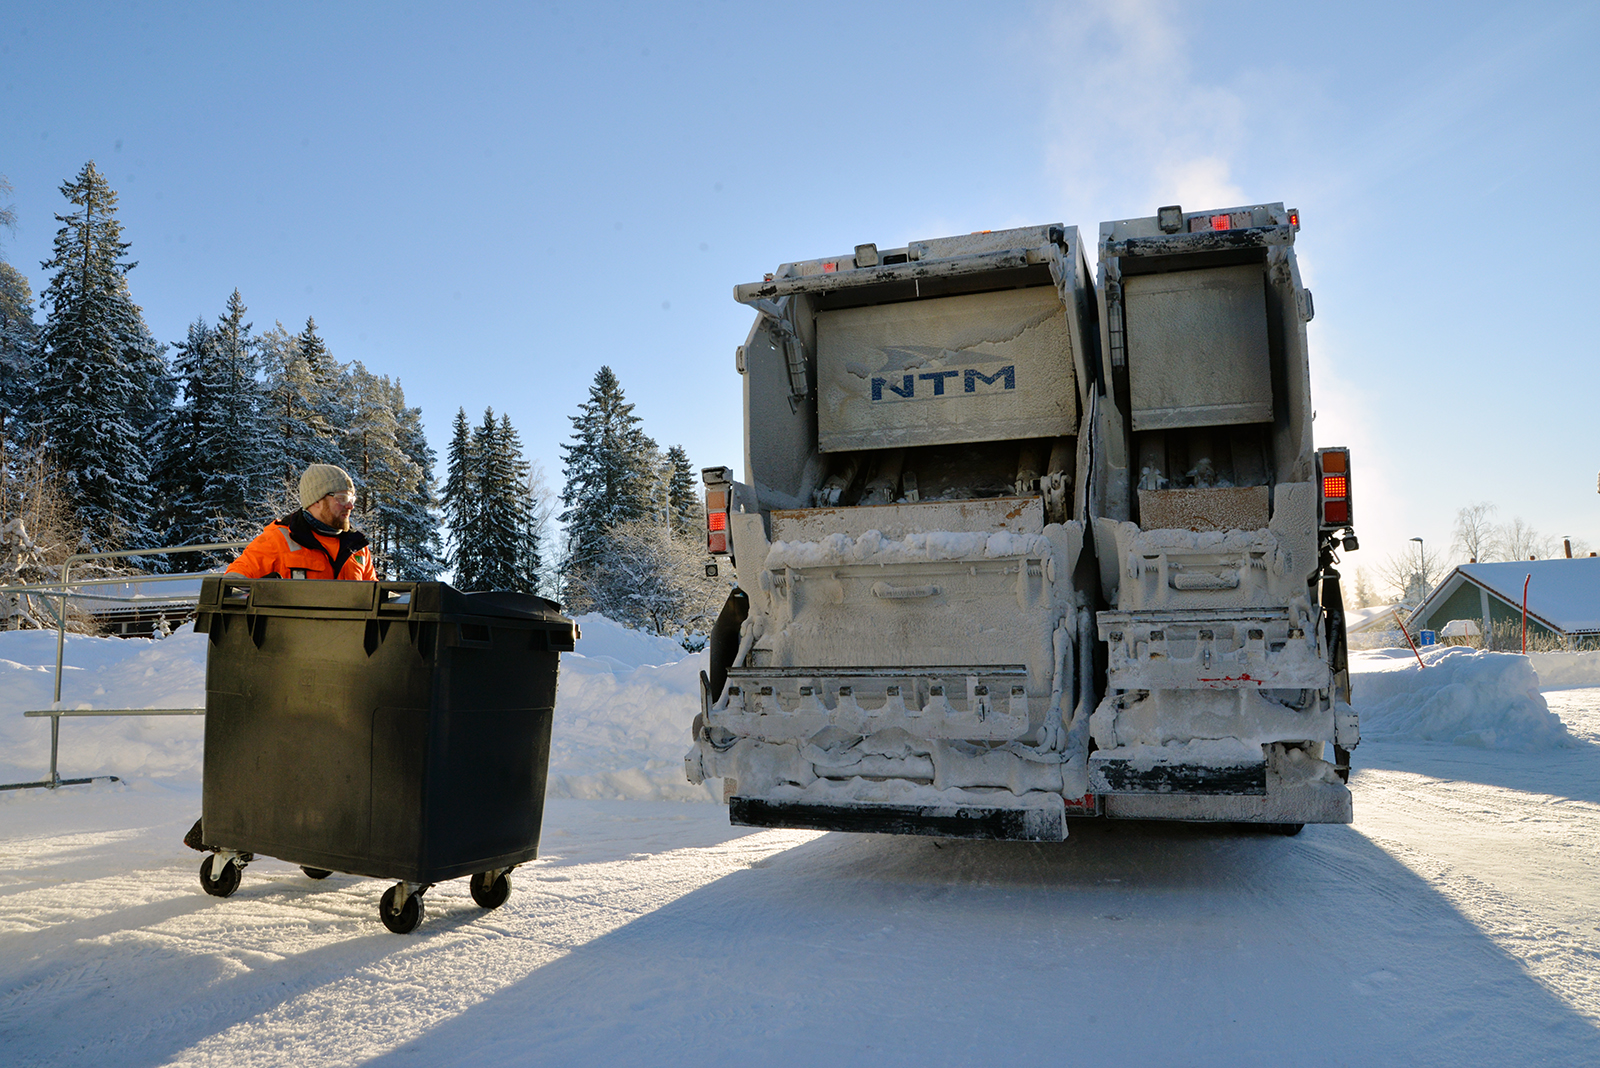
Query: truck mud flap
[(1122, 777), (1032, 824)]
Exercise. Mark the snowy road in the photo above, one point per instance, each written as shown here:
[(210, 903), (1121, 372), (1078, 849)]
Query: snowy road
[(1457, 922)]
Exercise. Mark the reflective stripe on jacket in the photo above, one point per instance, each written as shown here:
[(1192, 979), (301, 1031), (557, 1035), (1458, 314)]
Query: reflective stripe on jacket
[(290, 548)]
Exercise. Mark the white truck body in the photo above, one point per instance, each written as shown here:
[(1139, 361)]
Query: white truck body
[(938, 497), (1220, 692)]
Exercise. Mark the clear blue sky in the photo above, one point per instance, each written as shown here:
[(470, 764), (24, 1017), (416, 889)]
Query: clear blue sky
[(489, 201)]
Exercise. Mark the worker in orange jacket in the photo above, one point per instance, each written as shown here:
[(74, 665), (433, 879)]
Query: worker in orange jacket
[(315, 542)]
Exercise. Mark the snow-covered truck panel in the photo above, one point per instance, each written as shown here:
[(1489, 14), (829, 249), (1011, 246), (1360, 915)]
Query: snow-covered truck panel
[(907, 538), (1221, 692)]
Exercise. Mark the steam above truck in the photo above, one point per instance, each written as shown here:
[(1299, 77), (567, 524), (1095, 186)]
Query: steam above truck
[(1012, 546)]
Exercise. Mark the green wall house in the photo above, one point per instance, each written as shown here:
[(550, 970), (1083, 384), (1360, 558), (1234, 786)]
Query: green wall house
[(1563, 603)]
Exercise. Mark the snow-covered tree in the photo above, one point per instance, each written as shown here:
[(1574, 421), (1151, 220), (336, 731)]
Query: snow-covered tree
[(610, 470), (645, 577), (103, 377), (305, 410), (19, 352), (19, 368), (38, 531), (210, 472), (460, 504), (412, 525), (502, 520), (538, 559), (240, 471), (392, 465), (683, 493), (179, 477)]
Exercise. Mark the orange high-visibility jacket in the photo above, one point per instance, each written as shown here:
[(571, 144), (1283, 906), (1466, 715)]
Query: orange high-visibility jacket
[(290, 548)]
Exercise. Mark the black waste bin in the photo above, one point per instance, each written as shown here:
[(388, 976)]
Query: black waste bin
[(393, 729)]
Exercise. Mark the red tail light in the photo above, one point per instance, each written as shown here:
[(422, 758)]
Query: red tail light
[(1333, 474), (717, 520)]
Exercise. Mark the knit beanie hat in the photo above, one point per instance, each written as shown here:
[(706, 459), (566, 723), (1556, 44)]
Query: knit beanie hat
[(321, 480)]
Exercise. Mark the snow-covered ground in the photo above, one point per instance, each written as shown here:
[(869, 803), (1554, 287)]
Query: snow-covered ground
[(1456, 922)]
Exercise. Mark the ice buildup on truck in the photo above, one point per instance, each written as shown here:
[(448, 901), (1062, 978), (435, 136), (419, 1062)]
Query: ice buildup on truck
[(1008, 551)]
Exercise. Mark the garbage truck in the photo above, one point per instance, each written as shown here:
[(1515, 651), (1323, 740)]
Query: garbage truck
[(929, 631), (1216, 526)]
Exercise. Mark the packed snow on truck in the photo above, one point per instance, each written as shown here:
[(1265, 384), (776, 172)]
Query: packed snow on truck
[(1012, 546)]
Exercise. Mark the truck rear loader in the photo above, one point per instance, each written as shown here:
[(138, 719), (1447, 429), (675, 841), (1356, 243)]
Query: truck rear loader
[(1010, 549)]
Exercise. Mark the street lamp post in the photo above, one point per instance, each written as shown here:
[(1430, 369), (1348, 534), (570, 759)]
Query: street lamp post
[(1422, 571)]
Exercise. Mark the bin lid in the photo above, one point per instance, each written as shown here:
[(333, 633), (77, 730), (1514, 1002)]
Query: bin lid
[(413, 600)]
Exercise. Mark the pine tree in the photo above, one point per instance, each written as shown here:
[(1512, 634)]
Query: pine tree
[(210, 475), (386, 477), (414, 550), (331, 408), (103, 375), (683, 496), (179, 474), (19, 355), (500, 523), (304, 411), (460, 504), (610, 470), (238, 472)]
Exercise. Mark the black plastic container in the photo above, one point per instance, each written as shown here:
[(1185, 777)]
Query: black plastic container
[(399, 730)]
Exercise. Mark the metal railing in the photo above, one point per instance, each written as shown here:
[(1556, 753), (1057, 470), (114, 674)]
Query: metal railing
[(63, 589)]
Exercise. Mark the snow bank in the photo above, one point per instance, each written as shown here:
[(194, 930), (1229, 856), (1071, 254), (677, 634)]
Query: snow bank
[(1464, 696), (1566, 671), (624, 705), (630, 648), (102, 673)]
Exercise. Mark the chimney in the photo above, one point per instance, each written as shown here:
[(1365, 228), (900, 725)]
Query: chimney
[(1566, 543)]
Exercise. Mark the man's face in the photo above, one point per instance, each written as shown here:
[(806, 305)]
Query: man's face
[(334, 509)]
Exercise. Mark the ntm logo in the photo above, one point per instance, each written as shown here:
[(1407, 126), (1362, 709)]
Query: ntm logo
[(908, 388)]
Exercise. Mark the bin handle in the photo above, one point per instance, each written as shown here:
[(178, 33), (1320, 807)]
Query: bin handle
[(396, 598), (235, 592)]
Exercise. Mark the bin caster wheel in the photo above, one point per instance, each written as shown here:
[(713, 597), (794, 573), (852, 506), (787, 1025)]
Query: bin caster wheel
[(219, 884), (489, 892), (404, 918), (315, 873)]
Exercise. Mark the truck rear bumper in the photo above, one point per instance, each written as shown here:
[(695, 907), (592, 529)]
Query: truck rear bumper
[(1288, 786), (1037, 821)]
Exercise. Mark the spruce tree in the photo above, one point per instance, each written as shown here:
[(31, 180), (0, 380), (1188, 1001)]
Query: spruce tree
[(683, 496), (238, 473), (500, 522), (19, 354), (610, 471), (414, 551), (302, 412), (210, 473), (103, 376), (460, 504), (180, 472), (330, 408)]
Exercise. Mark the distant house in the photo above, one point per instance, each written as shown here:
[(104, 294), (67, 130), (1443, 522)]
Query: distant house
[(1563, 601)]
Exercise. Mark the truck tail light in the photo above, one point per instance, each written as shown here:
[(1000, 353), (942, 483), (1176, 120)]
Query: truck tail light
[(1333, 474), (719, 487), (717, 521)]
